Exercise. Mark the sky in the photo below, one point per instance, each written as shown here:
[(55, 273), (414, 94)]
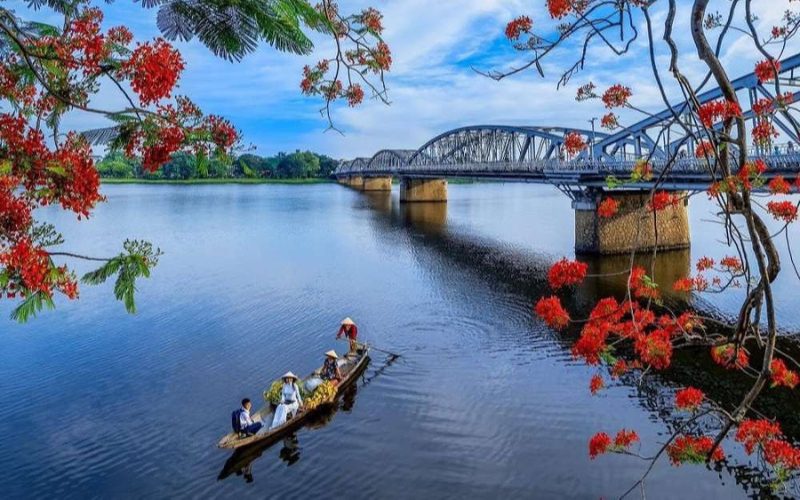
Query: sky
[(433, 85)]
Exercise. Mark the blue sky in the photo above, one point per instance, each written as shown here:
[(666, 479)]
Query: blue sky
[(432, 85)]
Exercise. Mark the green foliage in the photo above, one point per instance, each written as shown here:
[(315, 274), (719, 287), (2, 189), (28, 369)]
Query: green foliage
[(185, 166), (32, 304), (134, 263)]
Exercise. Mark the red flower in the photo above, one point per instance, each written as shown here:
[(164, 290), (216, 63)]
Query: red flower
[(764, 132), (766, 71), (625, 439), (608, 208), (662, 200), (566, 272), (592, 342), (620, 368), (778, 185), (551, 311), (752, 433), (655, 349), (730, 357), (516, 27), (779, 453), (783, 210), (599, 444), (704, 150), (355, 94), (697, 284), (713, 111), (763, 107), (616, 96), (574, 143), (704, 264), (154, 70), (693, 449), (609, 121), (731, 264), (689, 399), (781, 375), (596, 384), (371, 19)]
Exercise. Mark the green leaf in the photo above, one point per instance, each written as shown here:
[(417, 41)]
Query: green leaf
[(612, 182), (32, 304)]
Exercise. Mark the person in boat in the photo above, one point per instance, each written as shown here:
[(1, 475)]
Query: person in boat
[(330, 369), (349, 329), (290, 400), (246, 424)]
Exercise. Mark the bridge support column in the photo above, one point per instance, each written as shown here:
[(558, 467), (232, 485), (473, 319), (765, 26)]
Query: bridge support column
[(377, 184), (355, 182), (633, 226), (412, 189)]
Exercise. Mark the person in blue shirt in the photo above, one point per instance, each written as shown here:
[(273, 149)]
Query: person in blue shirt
[(246, 423)]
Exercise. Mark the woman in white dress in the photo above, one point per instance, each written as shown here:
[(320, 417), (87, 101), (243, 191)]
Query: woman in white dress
[(290, 400)]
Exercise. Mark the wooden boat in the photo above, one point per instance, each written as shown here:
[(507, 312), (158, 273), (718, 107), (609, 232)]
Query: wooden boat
[(351, 366)]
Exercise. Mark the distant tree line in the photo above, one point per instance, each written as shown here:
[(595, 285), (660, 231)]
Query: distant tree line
[(182, 166)]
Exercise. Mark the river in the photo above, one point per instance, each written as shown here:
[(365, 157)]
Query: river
[(485, 400)]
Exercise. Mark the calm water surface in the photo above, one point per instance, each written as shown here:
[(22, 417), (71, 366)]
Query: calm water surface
[(484, 402)]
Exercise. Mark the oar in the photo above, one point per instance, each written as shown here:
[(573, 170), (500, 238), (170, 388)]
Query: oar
[(392, 354)]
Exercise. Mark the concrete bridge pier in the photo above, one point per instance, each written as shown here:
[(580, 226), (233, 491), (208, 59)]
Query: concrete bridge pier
[(419, 189), (355, 181), (634, 226), (377, 184)]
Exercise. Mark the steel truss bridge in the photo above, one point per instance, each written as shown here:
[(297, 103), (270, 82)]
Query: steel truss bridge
[(536, 153)]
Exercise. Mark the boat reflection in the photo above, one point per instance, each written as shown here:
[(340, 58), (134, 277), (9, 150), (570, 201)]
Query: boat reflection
[(240, 463)]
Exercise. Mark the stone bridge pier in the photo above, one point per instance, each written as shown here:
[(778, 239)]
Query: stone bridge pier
[(422, 189), (383, 183), (635, 226)]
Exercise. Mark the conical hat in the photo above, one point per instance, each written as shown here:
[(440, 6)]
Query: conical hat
[(332, 354), (289, 375), (348, 321)]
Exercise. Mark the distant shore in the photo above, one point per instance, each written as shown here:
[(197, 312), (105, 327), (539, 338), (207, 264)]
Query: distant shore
[(313, 180)]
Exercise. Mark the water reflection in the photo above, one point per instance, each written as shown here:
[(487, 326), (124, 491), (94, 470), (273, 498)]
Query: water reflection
[(665, 268), (428, 217)]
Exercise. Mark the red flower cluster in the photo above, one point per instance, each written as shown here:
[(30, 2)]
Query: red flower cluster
[(616, 96), (642, 171), (766, 71), (355, 94), (516, 27), (778, 185), (696, 284), (608, 208), (713, 111), (763, 107), (574, 143), (566, 272), (704, 150), (783, 376), (704, 263), (731, 264), (154, 69), (641, 284), (625, 438), (764, 132), (783, 210), (753, 433), (689, 399), (599, 444), (691, 449), (551, 311), (779, 453), (609, 121), (596, 384), (371, 19), (662, 200), (730, 356), (655, 349)]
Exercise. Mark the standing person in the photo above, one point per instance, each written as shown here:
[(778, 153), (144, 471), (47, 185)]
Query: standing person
[(290, 400), (243, 423), (350, 330)]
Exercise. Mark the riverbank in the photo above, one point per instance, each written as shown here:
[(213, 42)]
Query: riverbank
[(314, 180)]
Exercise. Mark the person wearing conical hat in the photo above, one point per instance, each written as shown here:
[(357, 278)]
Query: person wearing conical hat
[(290, 400), (349, 329), (330, 369)]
